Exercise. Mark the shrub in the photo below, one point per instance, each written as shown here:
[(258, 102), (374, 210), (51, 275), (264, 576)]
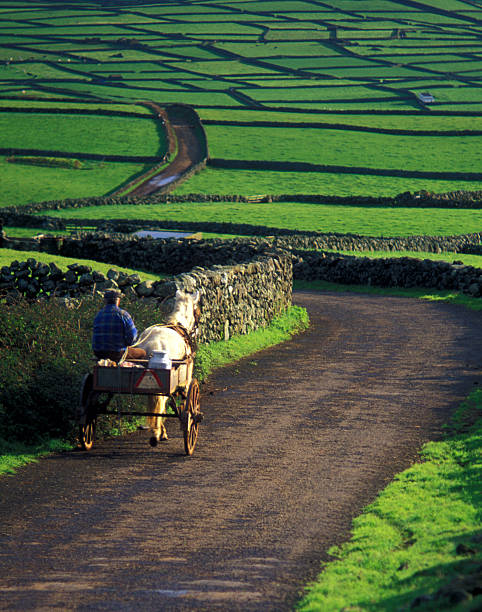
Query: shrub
[(51, 162), (44, 353)]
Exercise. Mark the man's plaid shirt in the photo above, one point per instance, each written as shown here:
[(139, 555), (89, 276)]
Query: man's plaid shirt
[(114, 329)]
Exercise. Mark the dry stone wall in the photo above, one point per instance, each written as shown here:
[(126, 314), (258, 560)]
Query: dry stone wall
[(173, 256), (241, 298), (14, 215), (244, 282), (177, 256), (393, 272), (463, 243), (159, 256), (235, 299)]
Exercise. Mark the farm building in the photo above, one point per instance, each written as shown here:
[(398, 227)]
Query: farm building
[(425, 97)]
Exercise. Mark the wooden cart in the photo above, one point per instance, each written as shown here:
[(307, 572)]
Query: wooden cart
[(99, 387)]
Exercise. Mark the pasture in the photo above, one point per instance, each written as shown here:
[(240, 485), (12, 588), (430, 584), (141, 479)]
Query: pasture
[(358, 64), (344, 148), (81, 133), (252, 181), (377, 221), (22, 184)]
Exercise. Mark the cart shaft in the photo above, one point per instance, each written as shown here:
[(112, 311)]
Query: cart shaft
[(129, 413)]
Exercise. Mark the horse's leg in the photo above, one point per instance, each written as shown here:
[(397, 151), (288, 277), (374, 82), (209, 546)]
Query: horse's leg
[(156, 404)]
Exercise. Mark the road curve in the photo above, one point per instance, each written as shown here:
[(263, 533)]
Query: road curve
[(190, 153), (297, 439)]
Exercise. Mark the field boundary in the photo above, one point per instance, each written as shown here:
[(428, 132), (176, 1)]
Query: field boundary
[(72, 111), (253, 164), (147, 159), (342, 126)]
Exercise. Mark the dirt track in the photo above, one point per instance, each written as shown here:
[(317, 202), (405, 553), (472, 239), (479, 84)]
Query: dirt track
[(189, 153), (296, 441)]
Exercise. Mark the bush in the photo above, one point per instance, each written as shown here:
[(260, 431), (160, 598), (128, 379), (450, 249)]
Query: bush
[(44, 353), (51, 162)]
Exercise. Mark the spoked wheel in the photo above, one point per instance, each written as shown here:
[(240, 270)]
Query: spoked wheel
[(87, 413), (87, 432), (191, 417)]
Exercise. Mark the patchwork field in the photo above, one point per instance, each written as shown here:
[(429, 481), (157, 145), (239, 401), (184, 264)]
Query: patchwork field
[(336, 70)]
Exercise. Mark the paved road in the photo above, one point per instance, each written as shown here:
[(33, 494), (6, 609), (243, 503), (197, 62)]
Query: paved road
[(296, 441)]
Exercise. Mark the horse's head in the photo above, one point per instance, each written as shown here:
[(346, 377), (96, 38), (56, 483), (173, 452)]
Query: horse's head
[(186, 310)]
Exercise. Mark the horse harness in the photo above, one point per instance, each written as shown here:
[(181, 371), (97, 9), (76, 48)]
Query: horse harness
[(182, 331)]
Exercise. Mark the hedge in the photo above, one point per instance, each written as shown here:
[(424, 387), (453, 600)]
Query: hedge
[(51, 162)]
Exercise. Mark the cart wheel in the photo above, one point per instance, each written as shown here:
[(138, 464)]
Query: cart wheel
[(191, 417), (87, 432), (88, 413)]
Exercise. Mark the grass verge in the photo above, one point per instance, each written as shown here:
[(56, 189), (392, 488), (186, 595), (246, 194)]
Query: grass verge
[(216, 354), (452, 297), (209, 357), (419, 545), (15, 454)]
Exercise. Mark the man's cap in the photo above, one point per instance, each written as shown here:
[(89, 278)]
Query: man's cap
[(112, 294)]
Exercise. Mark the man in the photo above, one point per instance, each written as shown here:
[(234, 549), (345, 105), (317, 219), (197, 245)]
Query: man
[(114, 330)]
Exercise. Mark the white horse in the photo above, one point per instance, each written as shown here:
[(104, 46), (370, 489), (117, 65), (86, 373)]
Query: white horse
[(174, 342)]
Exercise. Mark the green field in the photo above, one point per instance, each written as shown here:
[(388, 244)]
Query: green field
[(319, 217), (248, 57), (22, 184), (81, 133), (345, 148), (398, 122), (250, 182), (71, 131)]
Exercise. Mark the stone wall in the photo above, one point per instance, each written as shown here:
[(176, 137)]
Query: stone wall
[(283, 238), (177, 256), (244, 282), (464, 243), (172, 256), (394, 272), (241, 298), (422, 199), (157, 256), (235, 299)]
